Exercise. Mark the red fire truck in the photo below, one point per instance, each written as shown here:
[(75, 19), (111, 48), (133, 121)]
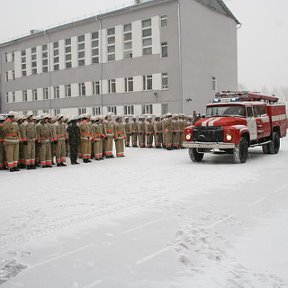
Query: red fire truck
[(235, 121)]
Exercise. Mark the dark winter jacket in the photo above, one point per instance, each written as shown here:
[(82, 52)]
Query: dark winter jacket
[(73, 134)]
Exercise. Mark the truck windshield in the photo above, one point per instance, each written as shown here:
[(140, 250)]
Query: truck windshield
[(233, 110)]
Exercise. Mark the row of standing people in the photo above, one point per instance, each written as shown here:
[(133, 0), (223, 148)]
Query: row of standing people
[(162, 132), (29, 141)]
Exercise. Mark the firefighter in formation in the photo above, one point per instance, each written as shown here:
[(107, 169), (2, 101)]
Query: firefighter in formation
[(30, 142)]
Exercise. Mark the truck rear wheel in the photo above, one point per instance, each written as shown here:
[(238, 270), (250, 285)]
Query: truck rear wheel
[(274, 145), (195, 156), (241, 151), (265, 149)]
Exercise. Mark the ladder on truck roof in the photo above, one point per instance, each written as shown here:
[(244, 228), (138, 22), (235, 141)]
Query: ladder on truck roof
[(233, 96)]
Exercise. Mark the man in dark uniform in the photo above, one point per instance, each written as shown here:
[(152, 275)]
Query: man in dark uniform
[(73, 140)]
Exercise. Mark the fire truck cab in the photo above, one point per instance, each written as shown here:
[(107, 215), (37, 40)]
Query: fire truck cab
[(235, 121)]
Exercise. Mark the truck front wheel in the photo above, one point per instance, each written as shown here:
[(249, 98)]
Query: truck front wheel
[(241, 151), (274, 145), (195, 156)]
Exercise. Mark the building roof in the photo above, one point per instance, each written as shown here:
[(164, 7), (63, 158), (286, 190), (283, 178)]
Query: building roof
[(215, 5)]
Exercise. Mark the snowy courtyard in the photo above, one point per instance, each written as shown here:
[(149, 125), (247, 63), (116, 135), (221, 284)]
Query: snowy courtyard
[(153, 219)]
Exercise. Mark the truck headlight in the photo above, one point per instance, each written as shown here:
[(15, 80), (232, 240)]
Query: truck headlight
[(228, 137), (188, 137)]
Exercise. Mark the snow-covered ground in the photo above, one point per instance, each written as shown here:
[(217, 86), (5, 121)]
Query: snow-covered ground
[(152, 220)]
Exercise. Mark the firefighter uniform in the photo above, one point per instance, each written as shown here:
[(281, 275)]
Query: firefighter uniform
[(175, 132), (52, 126), (60, 130), (109, 126), (119, 137), (149, 130), (134, 128), (181, 133), (2, 152), (128, 131), (158, 132), (11, 142), (44, 136), (86, 138), (31, 138), (23, 141), (167, 131)]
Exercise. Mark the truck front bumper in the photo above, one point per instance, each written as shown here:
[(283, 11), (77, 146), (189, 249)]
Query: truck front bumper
[(209, 145)]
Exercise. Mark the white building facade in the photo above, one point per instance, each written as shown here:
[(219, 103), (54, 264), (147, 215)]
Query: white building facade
[(149, 58)]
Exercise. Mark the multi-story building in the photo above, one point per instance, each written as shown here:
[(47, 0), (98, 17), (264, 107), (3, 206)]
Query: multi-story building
[(152, 57)]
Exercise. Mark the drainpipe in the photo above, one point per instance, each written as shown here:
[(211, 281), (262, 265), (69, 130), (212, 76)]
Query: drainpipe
[(49, 72), (100, 60), (180, 57)]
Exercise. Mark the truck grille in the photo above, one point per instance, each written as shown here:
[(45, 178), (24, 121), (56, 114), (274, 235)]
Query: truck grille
[(208, 134)]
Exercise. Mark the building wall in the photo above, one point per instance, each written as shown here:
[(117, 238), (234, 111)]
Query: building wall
[(209, 49), (192, 68)]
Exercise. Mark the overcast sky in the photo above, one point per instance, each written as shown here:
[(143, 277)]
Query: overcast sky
[(262, 38)]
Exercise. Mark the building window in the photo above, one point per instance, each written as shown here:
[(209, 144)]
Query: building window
[(164, 108), (112, 86), (34, 60), (127, 41), (163, 21), (6, 58), (164, 49), (96, 87), (13, 75), (34, 94), (45, 111), (68, 90), (13, 56), (111, 44), (56, 112), (56, 92), (95, 47), (7, 97), (6, 76), (129, 84), (24, 96), (112, 109), (82, 111), (45, 58), (56, 56), (13, 97), (23, 63), (81, 50), (96, 111), (147, 109), (35, 112), (147, 82), (82, 89), (164, 77), (214, 84), (129, 110), (45, 94), (147, 37), (68, 53)]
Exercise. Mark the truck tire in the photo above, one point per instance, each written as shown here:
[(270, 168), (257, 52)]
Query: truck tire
[(265, 149), (195, 156), (241, 151), (274, 145)]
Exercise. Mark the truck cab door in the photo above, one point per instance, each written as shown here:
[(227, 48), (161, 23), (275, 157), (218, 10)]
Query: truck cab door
[(251, 123), (259, 121)]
